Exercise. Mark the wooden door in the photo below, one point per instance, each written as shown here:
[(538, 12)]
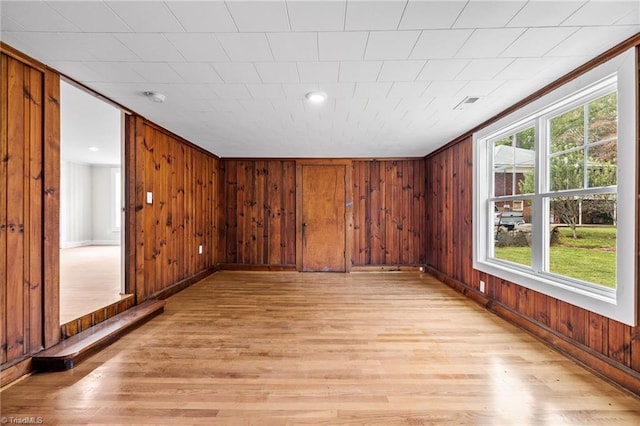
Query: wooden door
[(323, 218)]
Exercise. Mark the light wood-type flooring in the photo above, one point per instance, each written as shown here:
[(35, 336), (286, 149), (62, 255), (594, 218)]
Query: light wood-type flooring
[(89, 280), (266, 348)]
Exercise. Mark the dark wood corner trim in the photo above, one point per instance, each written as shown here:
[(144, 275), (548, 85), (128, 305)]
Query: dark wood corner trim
[(181, 285)]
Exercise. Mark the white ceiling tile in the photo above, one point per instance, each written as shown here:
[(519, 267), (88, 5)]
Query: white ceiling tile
[(588, 40), (372, 90), (317, 15), (294, 46), (535, 42), (259, 16), (314, 72), (632, 18), (544, 13), (487, 43), (430, 14), (373, 15), (405, 90), (526, 68), (156, 72), (387, 45), (359, 71), (79, 71), (439, 44), (92, 16), (602, 13), (243, 47), (201, 16), (337, 46), (238, 72), (35, 16), (442, 69), (151, 47), (480, 87), (231, 91), (488, 14), (438, 89), (146, 16), (278, 72), (198, 47), (345, 106), (196, 72), (483, 69), (400, 70), (266, 91), (115, 72)]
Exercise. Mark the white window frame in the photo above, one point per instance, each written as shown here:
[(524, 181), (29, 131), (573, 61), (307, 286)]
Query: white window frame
[(619, 303)]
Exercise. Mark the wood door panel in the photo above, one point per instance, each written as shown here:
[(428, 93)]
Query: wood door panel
[(323, 218)]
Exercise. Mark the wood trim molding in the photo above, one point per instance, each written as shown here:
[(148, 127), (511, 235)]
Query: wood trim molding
[(247, 267), (51, 153), (618, 374), (13, 371), (181, 285)]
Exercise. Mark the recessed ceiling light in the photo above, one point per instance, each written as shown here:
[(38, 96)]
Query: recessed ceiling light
[(94, 148), (316, 97), (155, 97)]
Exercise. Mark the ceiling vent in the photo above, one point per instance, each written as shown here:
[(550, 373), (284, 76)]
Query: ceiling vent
[(466, 103)]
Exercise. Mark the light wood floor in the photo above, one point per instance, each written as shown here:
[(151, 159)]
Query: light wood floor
[(243, 348), (89, 280)]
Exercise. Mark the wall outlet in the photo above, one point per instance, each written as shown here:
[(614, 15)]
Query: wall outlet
[(482, 286), (149, 197), (200, 249)]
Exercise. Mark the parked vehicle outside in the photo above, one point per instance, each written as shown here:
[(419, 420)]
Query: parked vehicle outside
[(507, 219)]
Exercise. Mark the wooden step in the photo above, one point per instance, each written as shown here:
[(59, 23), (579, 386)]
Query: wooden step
[(66, 354)]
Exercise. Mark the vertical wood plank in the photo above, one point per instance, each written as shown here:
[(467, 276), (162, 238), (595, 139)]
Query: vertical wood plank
[(4, 161), (34, 286), (51, 154)]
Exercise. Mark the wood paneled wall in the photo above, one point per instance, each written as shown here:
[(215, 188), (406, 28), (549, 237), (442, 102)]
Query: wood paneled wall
[(259, 212), (607, 346), (29, 181), (389, 214), (167, 234)]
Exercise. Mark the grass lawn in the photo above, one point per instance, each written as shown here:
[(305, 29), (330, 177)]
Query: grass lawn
[(591, 257)]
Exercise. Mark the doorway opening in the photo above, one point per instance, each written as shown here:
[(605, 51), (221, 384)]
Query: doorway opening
[(91, 200)]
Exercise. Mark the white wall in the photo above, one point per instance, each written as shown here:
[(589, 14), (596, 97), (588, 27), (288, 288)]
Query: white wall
[(103, 206), (86, 205)]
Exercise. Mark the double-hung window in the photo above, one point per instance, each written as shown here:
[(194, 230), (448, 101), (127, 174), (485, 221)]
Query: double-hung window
[(555, 192)]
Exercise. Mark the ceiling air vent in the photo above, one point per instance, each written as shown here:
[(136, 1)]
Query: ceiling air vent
[(466, 103)]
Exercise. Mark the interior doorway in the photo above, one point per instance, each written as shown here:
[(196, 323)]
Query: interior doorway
[(323, 218), (91, 200)]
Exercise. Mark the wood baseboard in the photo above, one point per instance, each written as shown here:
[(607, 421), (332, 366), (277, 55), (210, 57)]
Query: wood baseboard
[(249, 267), (614, 372), (386, 268), (181, 285), (15, 370)]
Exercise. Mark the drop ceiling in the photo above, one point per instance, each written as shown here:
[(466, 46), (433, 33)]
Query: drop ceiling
[(235, 73)]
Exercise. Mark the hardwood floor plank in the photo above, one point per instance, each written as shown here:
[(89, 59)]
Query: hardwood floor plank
[(272, 348)]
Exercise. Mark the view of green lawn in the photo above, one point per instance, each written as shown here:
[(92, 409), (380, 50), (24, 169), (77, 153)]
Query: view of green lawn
[(591, 257)]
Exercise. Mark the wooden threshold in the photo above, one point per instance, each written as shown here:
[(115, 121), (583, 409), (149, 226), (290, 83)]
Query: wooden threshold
[(68, 353), (96, 317)]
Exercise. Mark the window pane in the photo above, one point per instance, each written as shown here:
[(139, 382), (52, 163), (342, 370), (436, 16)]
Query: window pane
[(582, 242), (567, 130), (512, 231), (603, 164), (566, 171), (603, 118), (513, 164)]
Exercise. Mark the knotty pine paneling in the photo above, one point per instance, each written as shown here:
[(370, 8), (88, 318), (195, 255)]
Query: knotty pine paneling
[(259, 212), (389, 214), (28, 95), (182, 216), (449, 251)]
